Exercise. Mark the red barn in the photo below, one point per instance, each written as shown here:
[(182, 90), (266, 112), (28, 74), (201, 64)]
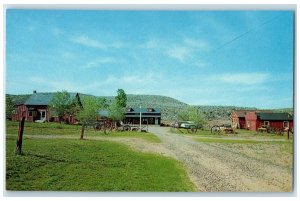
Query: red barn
[(36, 108), (255, 120), (238, 118)]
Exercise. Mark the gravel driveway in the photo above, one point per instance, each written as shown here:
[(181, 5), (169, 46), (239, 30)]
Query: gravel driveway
[(220, 168)]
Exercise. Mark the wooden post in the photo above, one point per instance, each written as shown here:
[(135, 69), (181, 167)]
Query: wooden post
[(288, 134), (20, 136), (82, 131)]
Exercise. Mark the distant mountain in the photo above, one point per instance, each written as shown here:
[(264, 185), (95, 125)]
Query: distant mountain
[(220, 112), (169, 106)]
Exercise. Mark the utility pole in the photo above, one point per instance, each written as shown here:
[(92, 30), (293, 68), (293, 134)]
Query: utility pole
[(140, 118)]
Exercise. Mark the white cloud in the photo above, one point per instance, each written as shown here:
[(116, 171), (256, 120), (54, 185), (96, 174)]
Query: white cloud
[(98, 62), (117, 45), (44, 84), (196, 43), (151, 44), (244, 78), (201, 64), (89, 42), (86, 41), (179, 53)]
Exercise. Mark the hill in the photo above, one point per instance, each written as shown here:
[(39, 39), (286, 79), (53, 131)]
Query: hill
[(169, 106)]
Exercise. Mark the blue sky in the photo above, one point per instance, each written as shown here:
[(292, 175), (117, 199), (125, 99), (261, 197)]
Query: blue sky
[(241, 58)]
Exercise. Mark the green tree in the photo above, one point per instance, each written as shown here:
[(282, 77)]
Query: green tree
[(89, 112), (117, 107), (192, 114), (121, 98), (61, 104), (116, 112), (10, 107), (103, 102)]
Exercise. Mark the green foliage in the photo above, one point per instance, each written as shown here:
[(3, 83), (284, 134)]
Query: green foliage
[(192, 114), (18, 99), (116, 112), (117, 107), (9, 107), (102, 102), (121, 98), (96, 166), (61, 104), (89, 112)]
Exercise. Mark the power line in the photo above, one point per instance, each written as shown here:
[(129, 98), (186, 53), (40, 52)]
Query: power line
[(247, 32)]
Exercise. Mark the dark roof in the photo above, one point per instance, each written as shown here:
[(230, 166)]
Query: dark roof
[(43, 98), (275, 116), (143, 110)]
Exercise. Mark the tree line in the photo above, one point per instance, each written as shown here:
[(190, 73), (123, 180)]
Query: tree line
[(87, 110)]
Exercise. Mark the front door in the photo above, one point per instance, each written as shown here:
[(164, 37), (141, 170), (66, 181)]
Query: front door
[(42, 114)]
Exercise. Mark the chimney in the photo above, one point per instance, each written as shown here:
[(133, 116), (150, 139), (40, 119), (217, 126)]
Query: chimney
[(34, 91)]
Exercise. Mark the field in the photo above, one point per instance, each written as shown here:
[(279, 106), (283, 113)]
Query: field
[(54, 159), (164, 159)]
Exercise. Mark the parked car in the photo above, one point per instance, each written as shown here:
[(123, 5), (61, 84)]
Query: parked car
[(187, 124)]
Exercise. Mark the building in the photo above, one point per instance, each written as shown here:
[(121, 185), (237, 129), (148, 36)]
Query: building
[(148, 115), (238, 118), (255, 120), (36, 108)]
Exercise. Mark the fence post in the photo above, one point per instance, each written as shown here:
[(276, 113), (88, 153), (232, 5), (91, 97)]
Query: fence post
[(288, 134), (82, 131), (20, 136)]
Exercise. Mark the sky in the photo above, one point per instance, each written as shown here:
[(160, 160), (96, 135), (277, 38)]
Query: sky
[(229, 58)]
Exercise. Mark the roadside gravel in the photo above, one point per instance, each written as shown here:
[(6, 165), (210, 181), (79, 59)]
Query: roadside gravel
[(217, 167)]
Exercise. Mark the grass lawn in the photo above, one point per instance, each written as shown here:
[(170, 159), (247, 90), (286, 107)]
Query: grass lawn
[(88, 165), (50, 129)]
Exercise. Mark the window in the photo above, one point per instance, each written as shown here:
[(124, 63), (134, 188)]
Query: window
[(248, 124), (43, 114), (285, 124), (266, 123), (150, 110), (32, 113), (129, 109)]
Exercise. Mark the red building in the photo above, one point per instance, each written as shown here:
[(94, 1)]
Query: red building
[(255, 120), (36, 108), (238, 118)]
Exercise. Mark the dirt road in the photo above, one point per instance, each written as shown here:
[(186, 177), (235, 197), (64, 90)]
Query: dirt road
[(220, 168)]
